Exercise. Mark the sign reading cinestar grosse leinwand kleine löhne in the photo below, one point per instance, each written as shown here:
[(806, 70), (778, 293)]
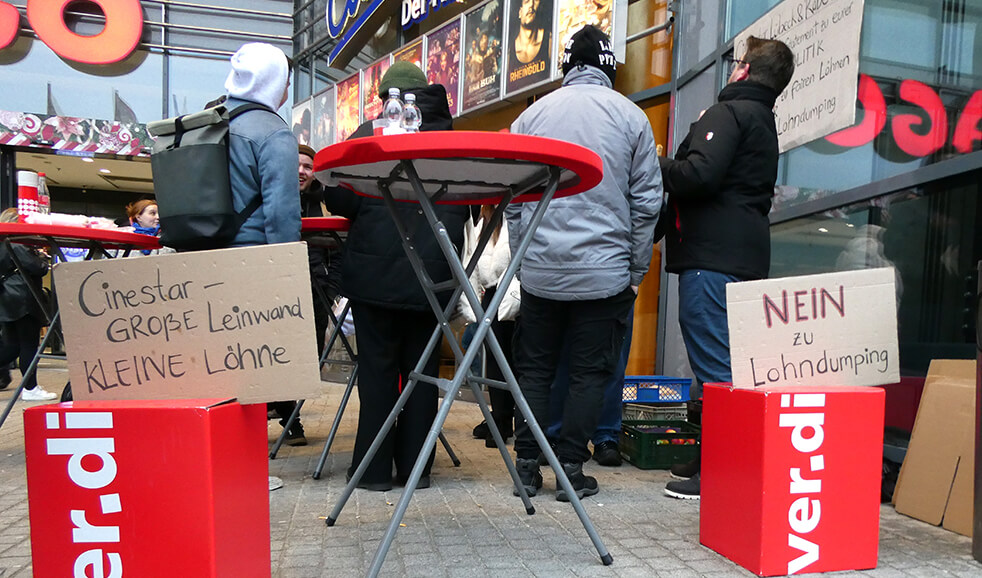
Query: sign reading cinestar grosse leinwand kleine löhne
[(824, 36), (831, 329), (210, 324)]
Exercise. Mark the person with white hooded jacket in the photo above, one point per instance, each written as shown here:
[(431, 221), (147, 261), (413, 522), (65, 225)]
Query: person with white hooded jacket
[(485, 279)]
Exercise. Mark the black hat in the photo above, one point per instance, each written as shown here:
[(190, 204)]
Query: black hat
[(592, 47)]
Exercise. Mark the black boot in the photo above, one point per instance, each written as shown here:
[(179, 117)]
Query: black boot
[(295, 437), (528, 473), (582, 484)]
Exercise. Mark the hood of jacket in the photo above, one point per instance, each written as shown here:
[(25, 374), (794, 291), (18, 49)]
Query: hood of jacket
[(586, 74), (260, 73)]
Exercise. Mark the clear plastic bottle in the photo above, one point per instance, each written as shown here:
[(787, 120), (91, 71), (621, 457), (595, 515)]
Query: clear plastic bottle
[(411, 116), (44, 198), (392, 111)]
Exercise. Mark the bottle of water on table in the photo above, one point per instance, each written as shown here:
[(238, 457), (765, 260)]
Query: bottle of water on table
[(392, 111), (412, 118)]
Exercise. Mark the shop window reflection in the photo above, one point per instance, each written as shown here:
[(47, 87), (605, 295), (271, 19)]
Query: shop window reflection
[(930, 234)]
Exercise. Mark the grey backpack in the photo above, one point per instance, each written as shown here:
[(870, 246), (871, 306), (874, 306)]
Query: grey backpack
[(190, 174)]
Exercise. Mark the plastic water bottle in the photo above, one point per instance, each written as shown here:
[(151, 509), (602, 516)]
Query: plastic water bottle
[(411, 116), (44, 198), (392, 111)]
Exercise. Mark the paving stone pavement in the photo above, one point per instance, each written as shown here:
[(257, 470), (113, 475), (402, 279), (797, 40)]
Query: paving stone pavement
[(468, 524)]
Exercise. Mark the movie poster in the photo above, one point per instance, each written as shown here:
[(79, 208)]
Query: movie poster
[(371, 79), (575, 14), (443, 61), (347, 117), (482, 60), (412, 53), (301, 122), (529, 45), (322, 113)]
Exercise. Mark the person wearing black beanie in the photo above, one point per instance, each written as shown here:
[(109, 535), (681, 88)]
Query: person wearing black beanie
[(589, 254)]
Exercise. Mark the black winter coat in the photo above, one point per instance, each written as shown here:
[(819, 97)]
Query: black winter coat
[(720, 186), (324, 260), (374, 267), (16, 301)]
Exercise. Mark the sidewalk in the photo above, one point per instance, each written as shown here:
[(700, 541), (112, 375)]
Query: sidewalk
[(468, 523)]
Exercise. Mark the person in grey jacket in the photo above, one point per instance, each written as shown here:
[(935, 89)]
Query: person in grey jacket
[(263, 164), (588, 256), (262, 148)]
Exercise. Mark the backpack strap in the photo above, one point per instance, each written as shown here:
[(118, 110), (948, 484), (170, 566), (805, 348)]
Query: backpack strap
[(255, 203)]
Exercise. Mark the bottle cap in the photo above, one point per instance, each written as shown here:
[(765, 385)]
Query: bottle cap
[(393, 92), (410, 97), (27, 179), (40, 174)]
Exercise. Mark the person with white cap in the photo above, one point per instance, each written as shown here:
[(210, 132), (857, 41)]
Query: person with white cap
[(262, 163), (262, 148)]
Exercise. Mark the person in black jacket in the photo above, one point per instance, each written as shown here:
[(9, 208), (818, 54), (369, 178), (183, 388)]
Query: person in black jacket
[(720, 186), (393, 320), (20, 313)]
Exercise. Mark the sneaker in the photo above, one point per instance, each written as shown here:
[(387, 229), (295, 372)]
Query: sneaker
[(607, 454), (684, 489), (295, 437), (37, 394), (686, 470), (582, 484), (529, 474), (481, 431)]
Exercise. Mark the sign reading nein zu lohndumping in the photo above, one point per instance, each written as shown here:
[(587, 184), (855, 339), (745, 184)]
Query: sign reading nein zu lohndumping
[(831, 329)]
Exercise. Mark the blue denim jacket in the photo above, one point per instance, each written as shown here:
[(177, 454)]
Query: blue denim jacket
[(263, 159)]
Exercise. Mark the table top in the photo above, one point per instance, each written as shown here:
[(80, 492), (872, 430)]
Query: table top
[(460, 167), (324, 224), (67, 236)]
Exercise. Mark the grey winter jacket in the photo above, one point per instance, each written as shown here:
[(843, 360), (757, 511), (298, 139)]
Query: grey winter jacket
[(594, 244), (263, 160)]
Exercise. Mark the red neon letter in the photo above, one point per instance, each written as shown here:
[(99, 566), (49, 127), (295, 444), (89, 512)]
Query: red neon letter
[(874, 117), (917, 145), (9, 24), (124, 25), (967, 131)]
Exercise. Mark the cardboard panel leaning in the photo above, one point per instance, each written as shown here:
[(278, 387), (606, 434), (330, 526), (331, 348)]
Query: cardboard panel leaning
[(232, 323), (830, 329)]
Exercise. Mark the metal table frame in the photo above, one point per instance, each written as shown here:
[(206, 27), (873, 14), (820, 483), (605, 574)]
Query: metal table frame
[(541, 186), (99, 243)]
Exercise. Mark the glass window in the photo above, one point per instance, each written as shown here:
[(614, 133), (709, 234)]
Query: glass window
[(696, 96), (195, 81), (743, 13), (930, 234), (698, 35)]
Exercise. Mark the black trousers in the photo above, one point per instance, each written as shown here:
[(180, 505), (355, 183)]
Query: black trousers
[(595, 330), (21, 340), (390, 343)]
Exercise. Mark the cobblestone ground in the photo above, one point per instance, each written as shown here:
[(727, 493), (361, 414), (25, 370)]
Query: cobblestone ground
[(468, 524)]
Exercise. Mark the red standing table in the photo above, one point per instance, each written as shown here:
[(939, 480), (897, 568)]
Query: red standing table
[(470, 168), (101, 243)]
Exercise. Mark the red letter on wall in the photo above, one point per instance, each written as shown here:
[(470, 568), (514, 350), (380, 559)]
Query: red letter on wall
[(124, 25), (917, 145), (874, 118), (9, 24), (967, 132)]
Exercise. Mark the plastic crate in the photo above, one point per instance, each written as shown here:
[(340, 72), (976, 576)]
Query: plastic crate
[(650, 450), (655, 411), (656, 388)]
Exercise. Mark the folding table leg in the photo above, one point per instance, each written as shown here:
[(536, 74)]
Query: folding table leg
[(337, 423), (446, 446), (286, 429)]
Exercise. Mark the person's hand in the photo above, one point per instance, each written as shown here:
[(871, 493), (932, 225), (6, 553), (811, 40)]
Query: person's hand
[(635, 289)]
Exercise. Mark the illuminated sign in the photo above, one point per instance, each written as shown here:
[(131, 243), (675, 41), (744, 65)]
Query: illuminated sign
[(338, 14), (414, 11), (917, 134), (118, 39)]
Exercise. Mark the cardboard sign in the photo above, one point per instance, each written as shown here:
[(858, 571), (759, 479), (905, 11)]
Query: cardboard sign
[(824, 37), (211, 324), (831, 329)]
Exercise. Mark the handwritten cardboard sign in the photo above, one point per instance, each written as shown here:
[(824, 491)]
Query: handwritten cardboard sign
[(824, 37), (234, 323), (832, 329)]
